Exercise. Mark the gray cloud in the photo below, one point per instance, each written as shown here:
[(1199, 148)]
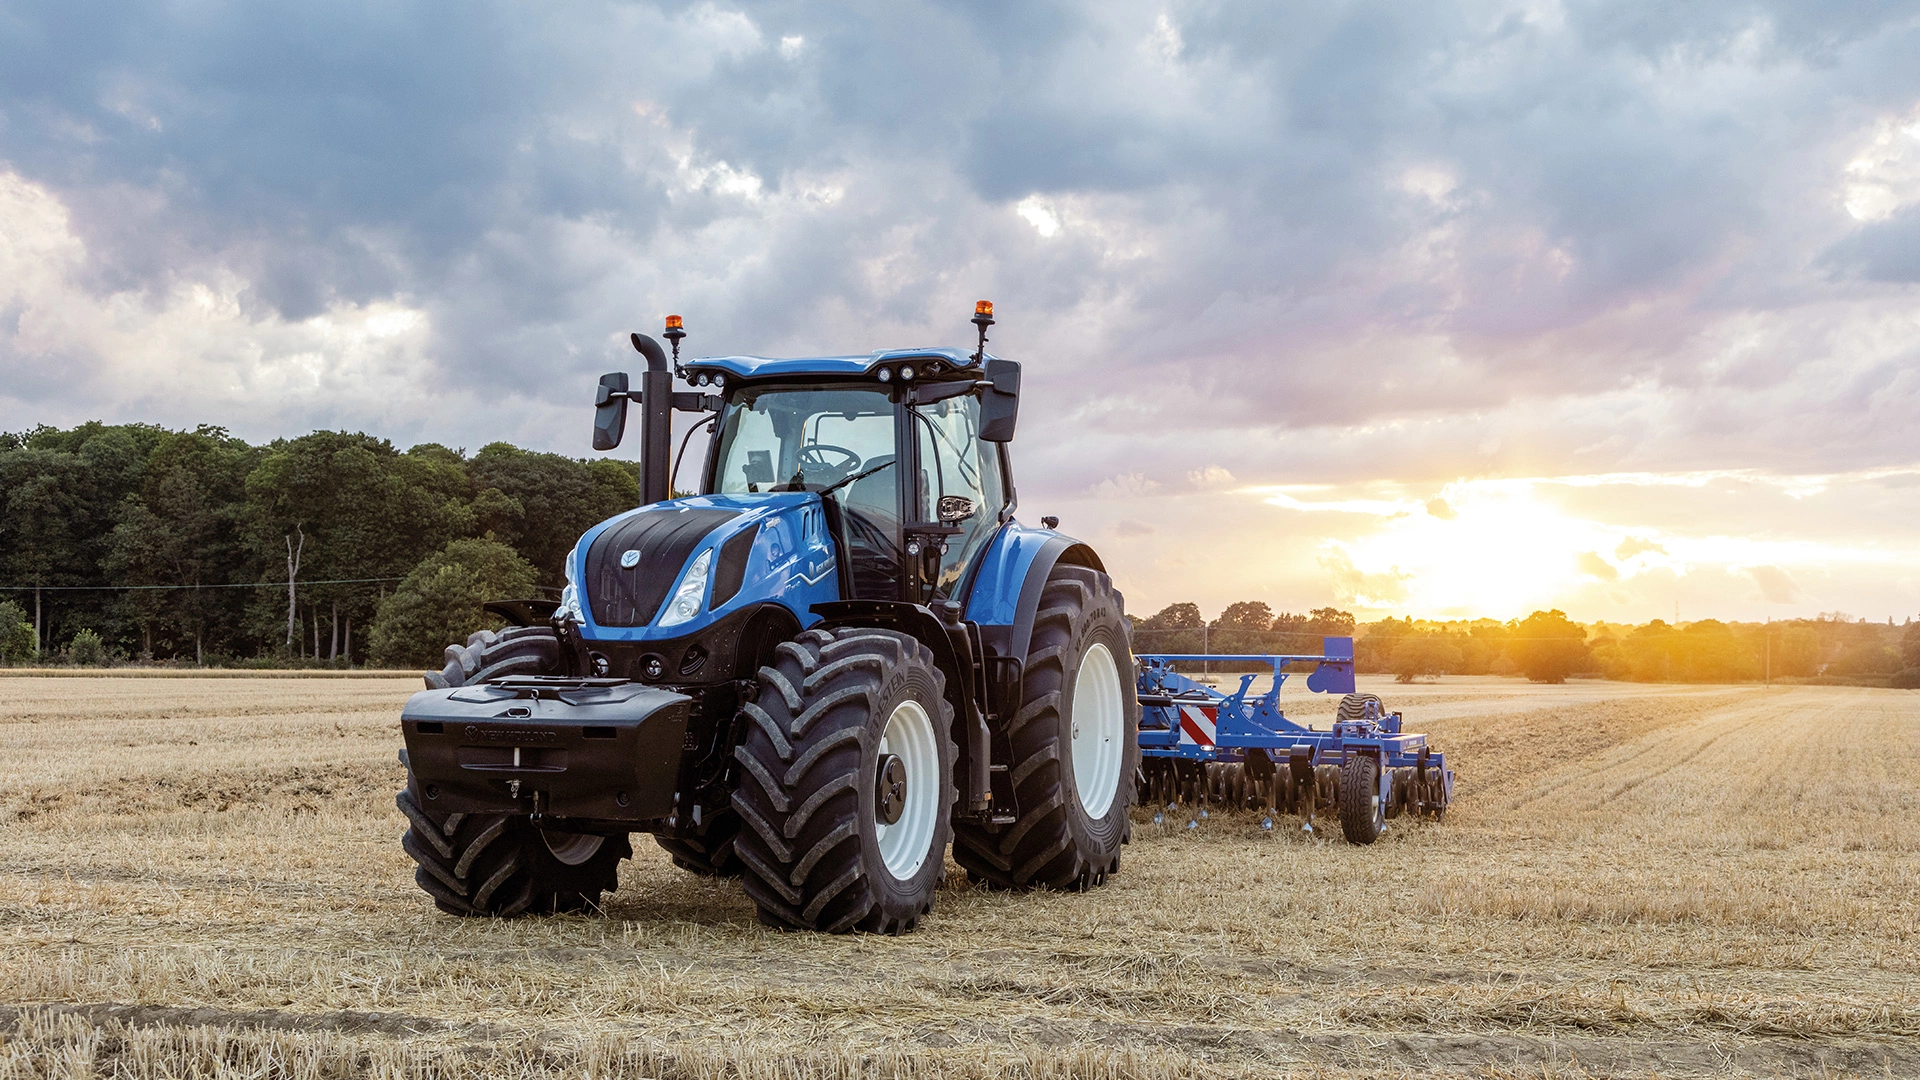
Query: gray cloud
[(1303, 240)]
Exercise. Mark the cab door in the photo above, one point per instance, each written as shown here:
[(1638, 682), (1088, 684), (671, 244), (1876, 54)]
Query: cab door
[(957, 489), (871, 514)]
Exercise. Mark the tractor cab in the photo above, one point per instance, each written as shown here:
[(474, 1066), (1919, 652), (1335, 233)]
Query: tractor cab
[(911, 489)]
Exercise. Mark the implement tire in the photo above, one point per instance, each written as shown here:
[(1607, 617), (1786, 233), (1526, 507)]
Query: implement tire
[(501, 865), (1362, 815), (1075, 741), (709, 851), (487, 655), (1353, 708), (846, 788)]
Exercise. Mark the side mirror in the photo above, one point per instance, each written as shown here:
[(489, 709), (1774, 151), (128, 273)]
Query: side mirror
[(1000, 404), (610, 411)]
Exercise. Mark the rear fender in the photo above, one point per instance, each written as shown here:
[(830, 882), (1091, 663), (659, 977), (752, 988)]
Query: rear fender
[(1005, 596)]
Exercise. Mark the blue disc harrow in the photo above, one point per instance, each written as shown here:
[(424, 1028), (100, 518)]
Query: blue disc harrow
[(1200, 746)]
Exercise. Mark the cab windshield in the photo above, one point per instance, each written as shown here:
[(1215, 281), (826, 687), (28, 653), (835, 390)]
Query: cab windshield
[(795, 439)]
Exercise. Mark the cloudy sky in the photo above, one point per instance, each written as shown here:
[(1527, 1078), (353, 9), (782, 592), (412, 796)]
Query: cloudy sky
[(1460, 309)]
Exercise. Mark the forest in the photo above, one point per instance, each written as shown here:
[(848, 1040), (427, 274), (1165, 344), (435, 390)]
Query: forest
[(130, 543)]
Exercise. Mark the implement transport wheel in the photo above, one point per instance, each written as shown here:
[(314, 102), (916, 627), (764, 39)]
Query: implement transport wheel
[(709, 850), (1353, 707), (1362, 815), (1075, 746), (502, 865), (517, 650), (847, 783)]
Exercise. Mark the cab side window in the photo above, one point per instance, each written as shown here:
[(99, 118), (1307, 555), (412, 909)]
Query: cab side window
[(959, 483)]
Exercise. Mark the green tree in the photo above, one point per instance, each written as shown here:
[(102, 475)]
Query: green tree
[(1423, 655), (542, 503), (60, 496), (1329, 622), (181, 528), (1176, 628), (1175, 617), (16, 633), (1373, 650), (353, 508), (1485, 644), (87, 650), (1245, 615), (1547, 646), (1910, 645), (440, 601)]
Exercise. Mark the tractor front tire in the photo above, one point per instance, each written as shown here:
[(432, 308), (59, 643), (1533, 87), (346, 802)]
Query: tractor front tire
[(1075, 746), (1362, 814), (709, 849), (846, 790), (489, 654), (502, 865)]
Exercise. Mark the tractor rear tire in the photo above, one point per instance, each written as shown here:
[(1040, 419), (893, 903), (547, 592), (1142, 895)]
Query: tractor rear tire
[(850, 727), (1073, 792), (709, 851), (1362, 814), (501, 865), (488, 654)]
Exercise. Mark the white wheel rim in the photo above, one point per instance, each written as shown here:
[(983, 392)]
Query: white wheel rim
[(904, 844), (1098, 725)]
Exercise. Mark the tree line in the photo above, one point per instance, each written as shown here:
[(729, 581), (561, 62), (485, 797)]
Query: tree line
[(137, 542), (1547, 646)]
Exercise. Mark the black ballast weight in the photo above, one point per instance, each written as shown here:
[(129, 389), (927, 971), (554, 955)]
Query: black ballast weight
[(598, 749)]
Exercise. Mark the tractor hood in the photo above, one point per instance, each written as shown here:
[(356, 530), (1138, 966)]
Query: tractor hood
[(670, 568)]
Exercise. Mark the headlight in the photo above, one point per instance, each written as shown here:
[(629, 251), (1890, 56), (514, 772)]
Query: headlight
[(570, 597), (693, 589)]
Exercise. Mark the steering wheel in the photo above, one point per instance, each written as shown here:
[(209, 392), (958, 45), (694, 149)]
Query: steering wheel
[(814, 457)]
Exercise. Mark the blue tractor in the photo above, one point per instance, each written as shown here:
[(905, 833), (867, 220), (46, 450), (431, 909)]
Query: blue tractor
[(841, 656)]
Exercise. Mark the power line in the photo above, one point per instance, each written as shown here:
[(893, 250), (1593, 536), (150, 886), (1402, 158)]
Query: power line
[(230, 585)]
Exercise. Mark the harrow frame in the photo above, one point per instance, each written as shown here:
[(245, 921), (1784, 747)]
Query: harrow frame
[(1184, 720)]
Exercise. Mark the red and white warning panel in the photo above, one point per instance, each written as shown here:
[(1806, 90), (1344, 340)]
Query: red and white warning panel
[(1197, 724)]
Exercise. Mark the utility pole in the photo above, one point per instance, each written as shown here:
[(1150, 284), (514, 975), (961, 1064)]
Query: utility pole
[(36, 620), (1769, 652)]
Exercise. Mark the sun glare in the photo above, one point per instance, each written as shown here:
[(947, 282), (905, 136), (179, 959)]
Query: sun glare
[(1506, 547), (1478, 549)]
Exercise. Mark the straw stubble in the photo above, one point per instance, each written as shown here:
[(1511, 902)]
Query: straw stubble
[(202, 877)]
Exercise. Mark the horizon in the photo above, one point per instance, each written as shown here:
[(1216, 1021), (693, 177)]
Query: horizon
[(1465, 312)]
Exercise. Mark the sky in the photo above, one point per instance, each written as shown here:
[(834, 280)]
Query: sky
[(1435, 310)]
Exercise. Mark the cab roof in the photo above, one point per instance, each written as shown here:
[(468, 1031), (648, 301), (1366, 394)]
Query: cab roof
[(758, 367)]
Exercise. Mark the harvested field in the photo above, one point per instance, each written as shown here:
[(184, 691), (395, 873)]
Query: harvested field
[(202, 877)]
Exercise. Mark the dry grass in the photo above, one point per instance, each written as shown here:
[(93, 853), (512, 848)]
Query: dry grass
[(200, 878)]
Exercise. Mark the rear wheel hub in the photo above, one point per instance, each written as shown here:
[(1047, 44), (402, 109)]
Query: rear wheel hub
[(890, 789)]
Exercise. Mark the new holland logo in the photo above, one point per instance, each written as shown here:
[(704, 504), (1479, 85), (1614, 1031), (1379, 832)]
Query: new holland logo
[(629, 559), (518, 736)]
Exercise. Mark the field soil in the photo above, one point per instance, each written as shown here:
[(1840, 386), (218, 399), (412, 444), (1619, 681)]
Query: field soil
[(202, 877)]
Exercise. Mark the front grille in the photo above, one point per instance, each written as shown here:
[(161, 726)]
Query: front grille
[(664, 537)]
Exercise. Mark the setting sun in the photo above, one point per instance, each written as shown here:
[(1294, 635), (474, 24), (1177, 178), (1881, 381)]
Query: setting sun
[(1476, 549)]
